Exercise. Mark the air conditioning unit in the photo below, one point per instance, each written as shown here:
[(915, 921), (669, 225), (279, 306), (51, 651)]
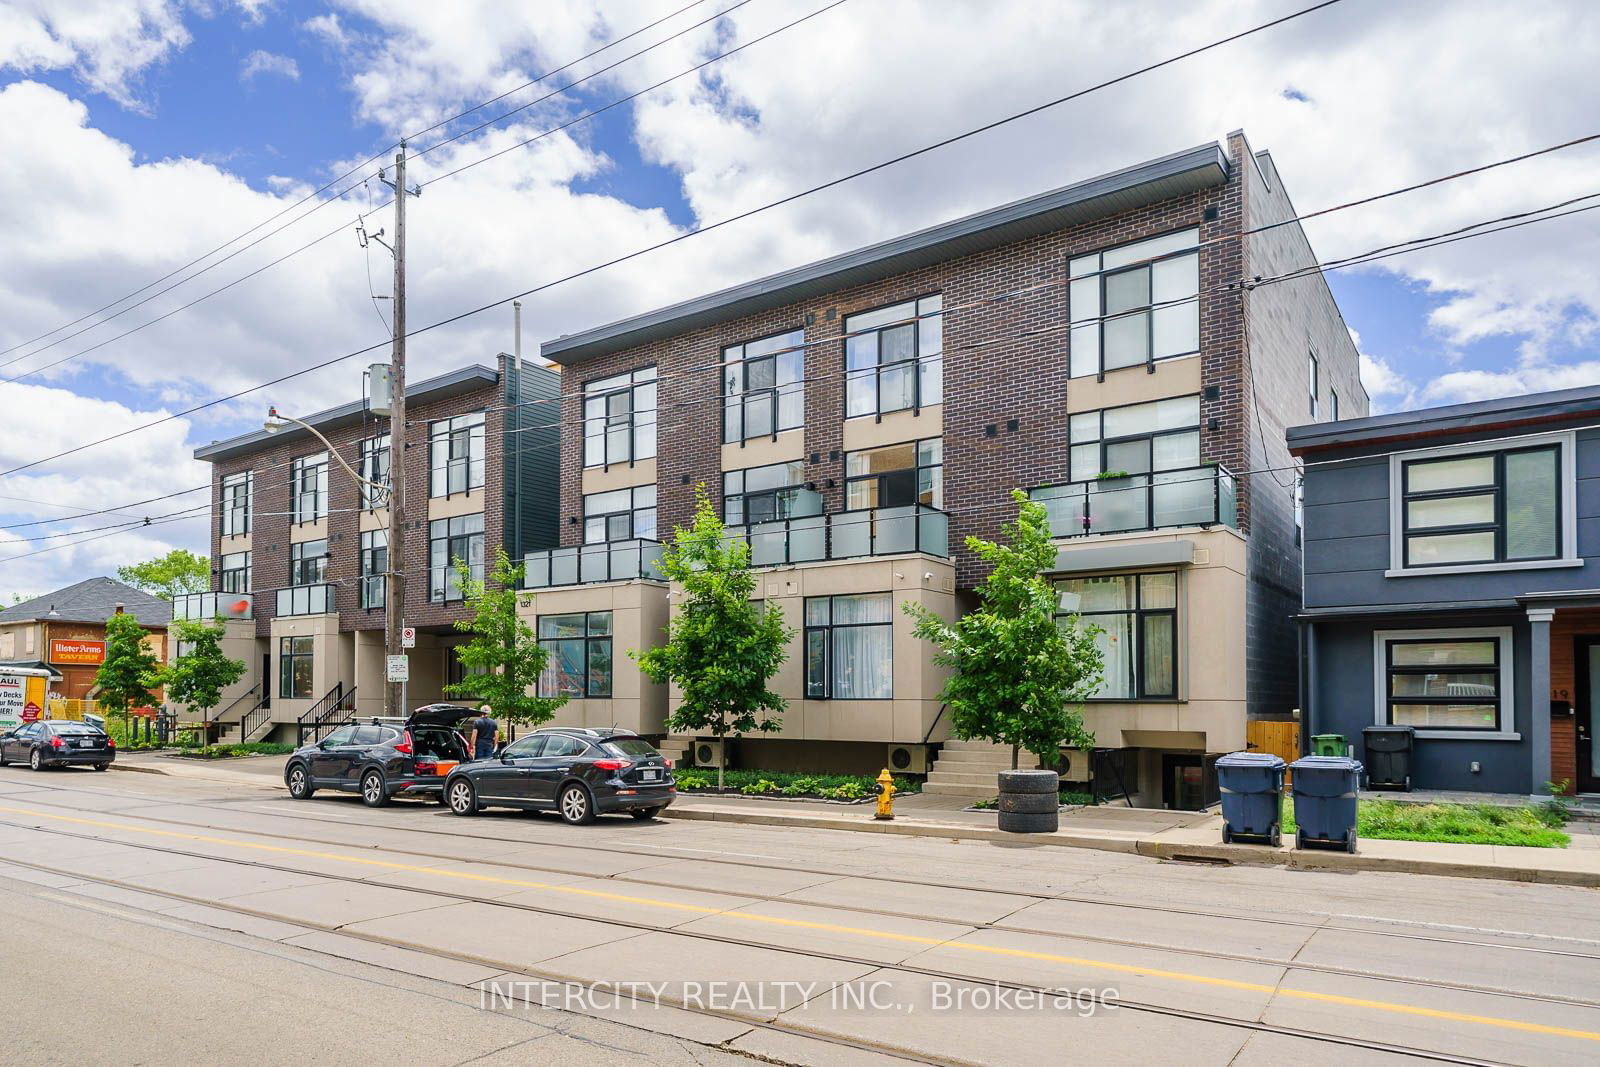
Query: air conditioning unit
[(708, 753), (907, 759)]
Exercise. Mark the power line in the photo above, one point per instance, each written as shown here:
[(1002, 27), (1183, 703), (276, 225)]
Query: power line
[(1259, 28)]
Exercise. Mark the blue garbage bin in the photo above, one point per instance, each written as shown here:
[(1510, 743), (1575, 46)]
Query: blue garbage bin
[(1252, 796), (1325, 800)]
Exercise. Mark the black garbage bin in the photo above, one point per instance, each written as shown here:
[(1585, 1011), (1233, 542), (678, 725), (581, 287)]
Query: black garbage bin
[(1388, 751), (1252, 797), (1325, 800)]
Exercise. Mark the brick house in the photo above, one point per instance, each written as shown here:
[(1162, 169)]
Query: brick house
[(298, 547), (858, 418)]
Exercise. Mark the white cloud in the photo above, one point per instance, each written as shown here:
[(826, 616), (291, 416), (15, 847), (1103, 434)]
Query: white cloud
[(328, 27), (254, 11), (108, 44), (263, 62)]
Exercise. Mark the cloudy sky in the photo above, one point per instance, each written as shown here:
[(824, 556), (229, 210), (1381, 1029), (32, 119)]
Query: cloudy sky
[(142, 134)]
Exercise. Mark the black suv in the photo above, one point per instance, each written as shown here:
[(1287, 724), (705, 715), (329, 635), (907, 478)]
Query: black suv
[(382, 759), (56, 743), (577, 772)]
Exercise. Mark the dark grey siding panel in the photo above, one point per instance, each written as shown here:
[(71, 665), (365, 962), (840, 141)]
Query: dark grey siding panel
[(1363, 480), (1336, 555), (532, 460), (1344, 693)]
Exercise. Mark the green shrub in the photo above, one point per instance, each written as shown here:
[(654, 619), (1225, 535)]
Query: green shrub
[(788, 784)]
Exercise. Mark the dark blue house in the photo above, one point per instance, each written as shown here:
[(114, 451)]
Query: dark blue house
[(1451, 583)]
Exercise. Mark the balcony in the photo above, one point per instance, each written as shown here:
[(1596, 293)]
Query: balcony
[(306, 600), (847, 535), (1192, 496), (208, 606), (615, 561)]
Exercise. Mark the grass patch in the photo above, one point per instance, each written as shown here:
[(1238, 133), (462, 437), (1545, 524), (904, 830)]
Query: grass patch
[(753, 783), (1069, 798), (254, 748), (1462, 824)]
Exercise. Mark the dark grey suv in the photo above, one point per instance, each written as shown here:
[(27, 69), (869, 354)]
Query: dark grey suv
[(575, 772), (382, 759)]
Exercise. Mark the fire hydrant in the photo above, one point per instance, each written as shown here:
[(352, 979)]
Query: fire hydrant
[(886, 793)]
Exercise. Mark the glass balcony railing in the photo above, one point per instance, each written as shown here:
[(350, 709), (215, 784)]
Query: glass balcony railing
[(306, 600), (798, 540), (847, 535), (1192, 496), (614, 561), (208, 606)]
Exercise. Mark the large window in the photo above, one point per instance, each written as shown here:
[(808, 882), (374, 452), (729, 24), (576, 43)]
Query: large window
[(1135, 304), (850, 647), (455, 671), (374, 467), (308, 562), (234, 574), (455, 455), (579, 650), (1138, 619), (763, 386), (295, 662), (619, 418), (894, 357), (766, 494), (895, 475), (619, 515), (234, 506), (1483, 508), (374, 567), (1162, 435), (460, 538), (1445, 680), (308, 487)]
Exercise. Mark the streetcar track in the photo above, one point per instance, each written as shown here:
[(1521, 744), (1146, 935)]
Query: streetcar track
[(543, 973)]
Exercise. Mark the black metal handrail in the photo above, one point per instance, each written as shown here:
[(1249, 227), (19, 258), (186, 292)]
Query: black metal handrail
[(1190, 496), (932, 725), (253, 720), (320, 715), (249, 697)]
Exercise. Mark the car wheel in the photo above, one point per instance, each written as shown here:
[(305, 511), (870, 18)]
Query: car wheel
[(462, 798), (374, 794), (645, 814), (102, 766), (36, 760), (3, 760), (575, 806), (299, 783)]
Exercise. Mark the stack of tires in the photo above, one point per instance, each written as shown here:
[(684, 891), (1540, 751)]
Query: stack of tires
[(1030, 802)]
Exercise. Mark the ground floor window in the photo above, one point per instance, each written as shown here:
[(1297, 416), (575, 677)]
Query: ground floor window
[(850, 647), (295, 660), (579, 651), (1455, 680), (1138, 619)]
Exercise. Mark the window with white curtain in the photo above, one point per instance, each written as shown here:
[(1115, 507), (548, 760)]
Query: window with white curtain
[(1138, 619), (849, 647)]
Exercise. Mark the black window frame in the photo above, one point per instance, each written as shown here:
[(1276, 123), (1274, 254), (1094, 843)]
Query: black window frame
[(1497, 525), (302, 564), (373, 459), (1148, 436), (882, 477), (228, 578), (291, 650), (1100, 318), (1496, 667), (638, 379), (470, 431), (735, 359), (827, 631), (590, 640), (631, 514), (787, 501), (1139, 613), (235, 498), (918, 360), (373, 590), (310, 469), (441, 576)]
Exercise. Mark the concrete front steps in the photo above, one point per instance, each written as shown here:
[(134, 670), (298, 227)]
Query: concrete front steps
[(968, 769)]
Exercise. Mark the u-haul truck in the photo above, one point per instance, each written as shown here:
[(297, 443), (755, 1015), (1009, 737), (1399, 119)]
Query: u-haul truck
[(22, 695)]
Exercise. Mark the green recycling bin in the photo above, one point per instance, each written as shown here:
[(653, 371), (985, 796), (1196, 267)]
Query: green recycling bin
[(1329, 745)]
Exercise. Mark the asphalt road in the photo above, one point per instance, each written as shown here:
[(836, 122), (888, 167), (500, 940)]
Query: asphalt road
[(712, 940)]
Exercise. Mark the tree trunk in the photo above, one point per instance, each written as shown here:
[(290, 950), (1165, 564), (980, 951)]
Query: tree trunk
[(722, 747), (1013, 757)]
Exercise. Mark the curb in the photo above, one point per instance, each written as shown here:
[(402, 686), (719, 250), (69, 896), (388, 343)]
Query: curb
[(1153, 848)]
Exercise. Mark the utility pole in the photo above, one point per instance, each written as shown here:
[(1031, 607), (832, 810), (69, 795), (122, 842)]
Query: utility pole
[(395, 595)]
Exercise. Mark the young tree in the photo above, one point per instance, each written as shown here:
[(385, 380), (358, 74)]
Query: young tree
[(503, 658), (198, 677), (1019, 674), (179, 571), (130, 669), (722, 648)]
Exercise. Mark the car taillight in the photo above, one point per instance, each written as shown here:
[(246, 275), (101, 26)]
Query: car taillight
[(404, 746), (56, 742), (613, 764), (111, 742), (667, 761)]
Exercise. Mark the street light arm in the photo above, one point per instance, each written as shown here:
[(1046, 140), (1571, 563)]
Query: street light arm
[(332, 451)]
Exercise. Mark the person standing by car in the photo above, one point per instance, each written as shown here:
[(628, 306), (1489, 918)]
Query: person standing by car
[(485, 734)]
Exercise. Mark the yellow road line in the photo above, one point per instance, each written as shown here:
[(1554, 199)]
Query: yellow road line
[(878, 935)]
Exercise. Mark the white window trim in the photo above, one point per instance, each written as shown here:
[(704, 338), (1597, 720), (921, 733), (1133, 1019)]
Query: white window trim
[(1380, 678), (1568, 440)]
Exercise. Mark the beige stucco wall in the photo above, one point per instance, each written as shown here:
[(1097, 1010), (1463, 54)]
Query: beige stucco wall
[(638, 620), (760, 451), (617, 476), (375, 520), (1135, 385), (864, 431), (367, 675), (22, 641), (332, 660), (308, 531), (235, 543), (448, 507), (1210, 712)]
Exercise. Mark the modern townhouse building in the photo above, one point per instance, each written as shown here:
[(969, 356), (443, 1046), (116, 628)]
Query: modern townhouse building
[(858, 418), (1452, 585), (299, 548)]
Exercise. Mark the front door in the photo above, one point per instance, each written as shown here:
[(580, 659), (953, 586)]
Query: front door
[(1587, 713)]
